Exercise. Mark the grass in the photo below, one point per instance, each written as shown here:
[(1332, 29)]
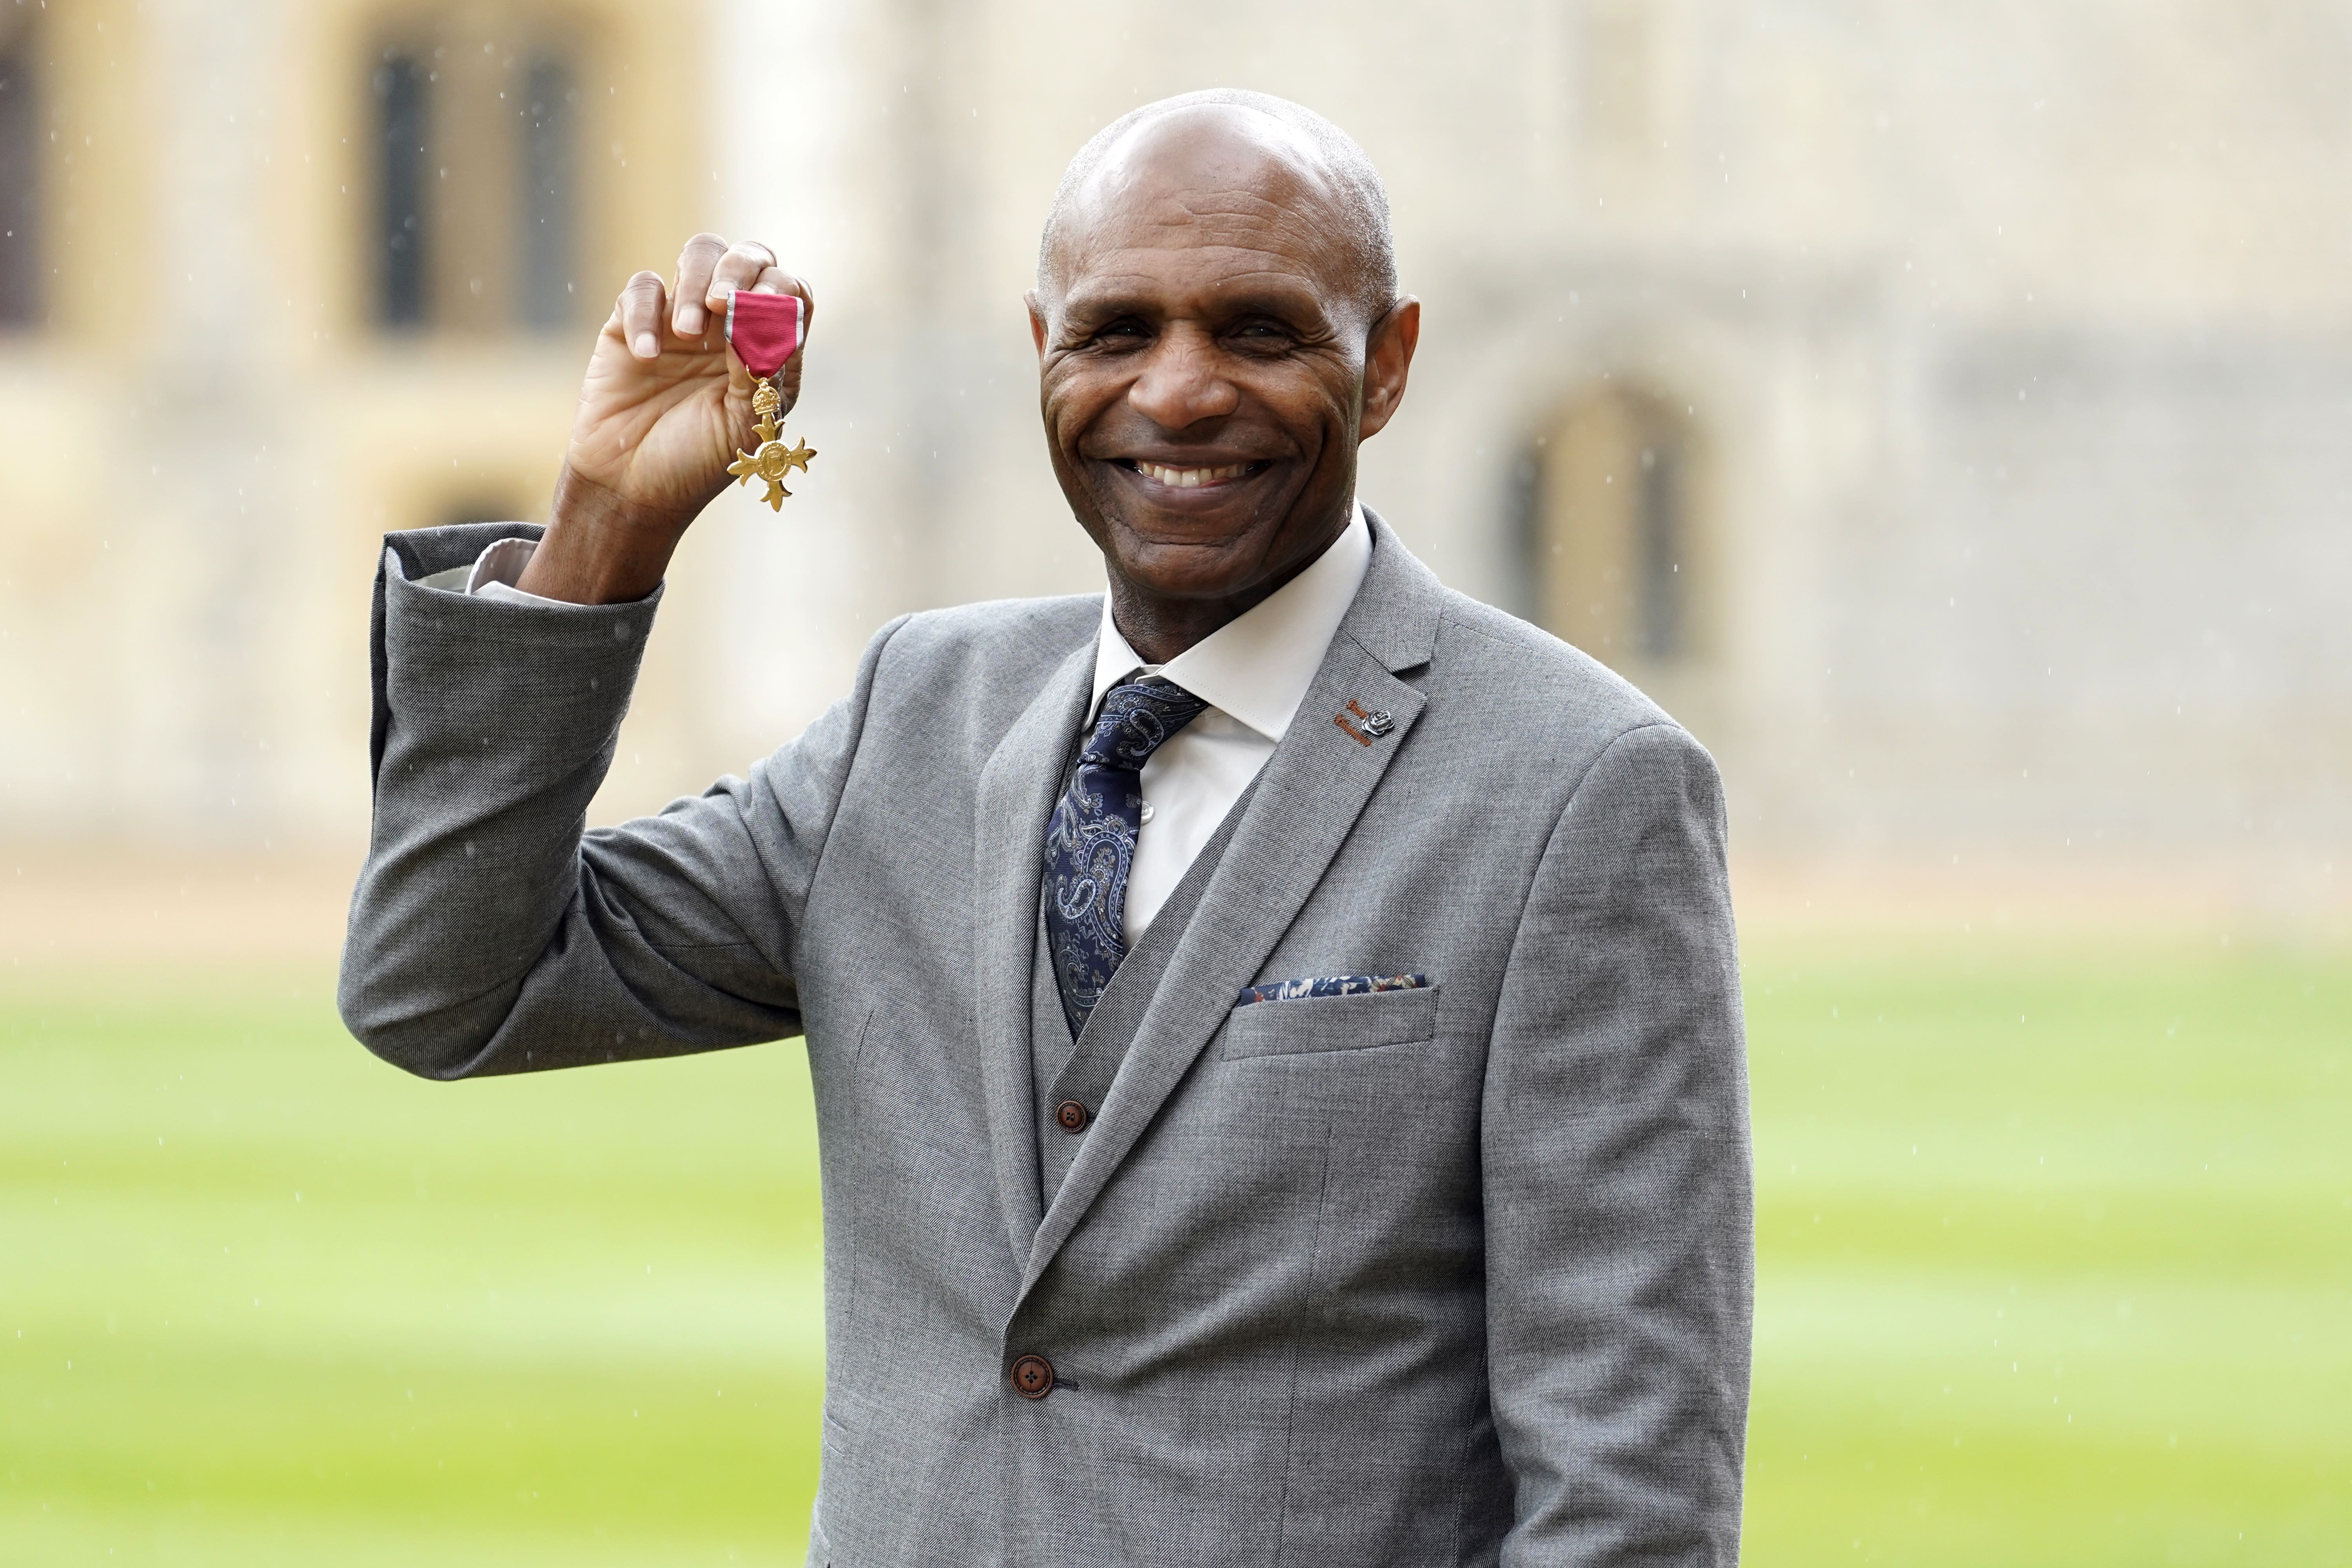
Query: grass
[(265, 1300), (2054, 1257), (2056, 1268)]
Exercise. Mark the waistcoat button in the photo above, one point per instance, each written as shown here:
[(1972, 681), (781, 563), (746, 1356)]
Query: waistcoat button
[(1071, 1115), (1032, 1377)]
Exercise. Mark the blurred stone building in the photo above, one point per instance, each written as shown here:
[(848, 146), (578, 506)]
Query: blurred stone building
[(277, 277), (1945, 411)]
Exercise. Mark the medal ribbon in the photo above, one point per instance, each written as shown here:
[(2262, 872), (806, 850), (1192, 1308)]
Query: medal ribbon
[(764, 328)]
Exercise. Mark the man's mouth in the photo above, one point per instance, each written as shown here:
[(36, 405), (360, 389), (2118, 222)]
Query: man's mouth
[(1190, 478)]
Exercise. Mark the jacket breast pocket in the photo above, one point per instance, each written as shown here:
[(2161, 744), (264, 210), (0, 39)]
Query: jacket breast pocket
[(1316, 1024)]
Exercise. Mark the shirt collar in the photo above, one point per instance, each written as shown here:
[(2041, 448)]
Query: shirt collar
[(1257, 666)]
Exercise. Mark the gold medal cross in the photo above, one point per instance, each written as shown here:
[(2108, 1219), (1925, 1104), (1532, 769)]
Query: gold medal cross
[(773, 459)]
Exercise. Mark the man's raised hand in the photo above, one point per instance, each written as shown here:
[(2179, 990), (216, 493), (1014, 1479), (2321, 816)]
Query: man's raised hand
[(665, 406)]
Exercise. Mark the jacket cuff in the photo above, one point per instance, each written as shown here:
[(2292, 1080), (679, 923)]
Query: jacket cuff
[(547, 678)]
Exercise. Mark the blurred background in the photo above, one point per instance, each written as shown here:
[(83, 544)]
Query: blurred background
[(1944, 411)]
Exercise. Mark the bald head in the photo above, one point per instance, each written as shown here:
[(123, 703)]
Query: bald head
[(1226, 153)]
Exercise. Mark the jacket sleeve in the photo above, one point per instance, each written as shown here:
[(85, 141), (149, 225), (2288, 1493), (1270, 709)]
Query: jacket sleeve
[(489, 933), (1619, 1195)]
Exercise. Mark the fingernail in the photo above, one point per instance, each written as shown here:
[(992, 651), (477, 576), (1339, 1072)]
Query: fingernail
[(647, 345)]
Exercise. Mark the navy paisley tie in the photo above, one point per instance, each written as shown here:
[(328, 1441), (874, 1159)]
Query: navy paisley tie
[(1090, 845)]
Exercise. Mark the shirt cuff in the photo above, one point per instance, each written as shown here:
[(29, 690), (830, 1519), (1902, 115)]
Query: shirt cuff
[(497, 568), (494, 574)]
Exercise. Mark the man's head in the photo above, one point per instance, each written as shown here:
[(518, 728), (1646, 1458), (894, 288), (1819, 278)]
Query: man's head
[(1218, 325)]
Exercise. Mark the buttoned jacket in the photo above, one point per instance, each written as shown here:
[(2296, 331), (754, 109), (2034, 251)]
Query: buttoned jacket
[(1458, 1274)]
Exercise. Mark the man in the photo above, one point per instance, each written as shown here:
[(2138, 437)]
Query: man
[(1274, 1029)]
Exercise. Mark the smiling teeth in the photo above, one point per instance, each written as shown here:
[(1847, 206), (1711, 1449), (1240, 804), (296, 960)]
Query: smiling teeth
[(1190, 478)]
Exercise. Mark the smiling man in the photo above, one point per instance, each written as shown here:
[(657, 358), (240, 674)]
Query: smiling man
[(1274, 1026)]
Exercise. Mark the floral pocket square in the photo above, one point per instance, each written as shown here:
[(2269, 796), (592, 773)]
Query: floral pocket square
[(1330, 986)]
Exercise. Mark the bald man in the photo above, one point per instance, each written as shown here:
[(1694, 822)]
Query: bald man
[(1274, 1026)]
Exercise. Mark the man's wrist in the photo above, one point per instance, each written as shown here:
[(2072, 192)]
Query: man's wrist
[(600, 547)]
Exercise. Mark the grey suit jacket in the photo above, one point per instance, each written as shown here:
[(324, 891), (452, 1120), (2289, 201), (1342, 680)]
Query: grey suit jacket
[(1456, 1275)]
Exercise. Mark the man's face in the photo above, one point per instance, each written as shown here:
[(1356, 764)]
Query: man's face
[(1203, 347)]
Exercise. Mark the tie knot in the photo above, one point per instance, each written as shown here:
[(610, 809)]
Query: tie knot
[(1136, 718)]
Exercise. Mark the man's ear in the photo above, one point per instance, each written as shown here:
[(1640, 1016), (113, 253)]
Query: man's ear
[(1036, 320), (1388, 361)]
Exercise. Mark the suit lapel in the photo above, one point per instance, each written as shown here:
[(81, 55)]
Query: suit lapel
[(1308, 796), (1015, 800)]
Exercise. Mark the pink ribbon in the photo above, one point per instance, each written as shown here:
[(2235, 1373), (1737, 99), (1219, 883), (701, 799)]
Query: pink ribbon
[(764, 328)]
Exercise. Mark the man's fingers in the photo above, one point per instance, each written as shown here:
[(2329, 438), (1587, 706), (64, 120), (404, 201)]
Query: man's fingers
[(739, 268), (695, 264), (640, 310), (708, 268)]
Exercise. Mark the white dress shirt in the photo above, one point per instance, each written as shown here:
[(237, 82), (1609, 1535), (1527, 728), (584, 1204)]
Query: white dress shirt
[(1253, 671)]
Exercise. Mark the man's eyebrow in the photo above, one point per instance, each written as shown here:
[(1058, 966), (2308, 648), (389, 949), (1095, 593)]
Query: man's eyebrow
[(1260, 297), (1289, 300), (1107, 303)]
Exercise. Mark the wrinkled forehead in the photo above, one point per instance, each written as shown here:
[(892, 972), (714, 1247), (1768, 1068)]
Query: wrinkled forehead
[(1214, 180)]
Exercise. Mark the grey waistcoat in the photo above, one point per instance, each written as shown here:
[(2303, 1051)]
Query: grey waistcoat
[(1085, 1071)]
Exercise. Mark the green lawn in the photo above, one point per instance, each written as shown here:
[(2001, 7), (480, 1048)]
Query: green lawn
[(2057, 1268)]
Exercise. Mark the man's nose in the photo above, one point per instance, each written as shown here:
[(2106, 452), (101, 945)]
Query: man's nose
[(1183, 381)]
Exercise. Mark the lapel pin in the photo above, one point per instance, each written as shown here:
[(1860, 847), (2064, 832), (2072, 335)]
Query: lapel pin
[(1375, 724)]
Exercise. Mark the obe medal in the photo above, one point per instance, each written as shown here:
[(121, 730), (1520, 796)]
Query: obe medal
[(765, 330)]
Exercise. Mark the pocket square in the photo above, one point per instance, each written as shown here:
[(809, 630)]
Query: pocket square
[(1330, 986)]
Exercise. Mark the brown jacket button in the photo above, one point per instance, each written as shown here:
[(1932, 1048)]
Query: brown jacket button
[(1071, 1115), (1032, 1377)]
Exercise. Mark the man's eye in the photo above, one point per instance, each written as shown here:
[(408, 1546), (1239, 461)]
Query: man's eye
[(1263, 336), (1126, 330)]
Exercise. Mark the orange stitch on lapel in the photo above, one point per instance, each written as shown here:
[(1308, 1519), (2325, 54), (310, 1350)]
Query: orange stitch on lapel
[(1353, 734), (1357, 709)]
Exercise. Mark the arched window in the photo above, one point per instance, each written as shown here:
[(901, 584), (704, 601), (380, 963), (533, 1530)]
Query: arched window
[(476, 221), (1618, 556), (21, 146)]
